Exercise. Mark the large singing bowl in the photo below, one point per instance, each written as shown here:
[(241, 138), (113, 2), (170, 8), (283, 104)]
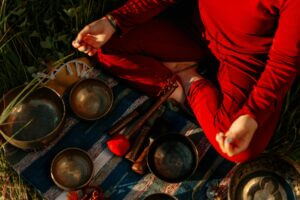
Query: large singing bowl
[(91, 99), (36, 121), (172, 158), (267, 177)]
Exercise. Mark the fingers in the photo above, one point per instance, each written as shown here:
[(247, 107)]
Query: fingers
[(220, 139), (92, 52), (87, 49), (94, 41), (228, 147), (79, 39), (226, 144)]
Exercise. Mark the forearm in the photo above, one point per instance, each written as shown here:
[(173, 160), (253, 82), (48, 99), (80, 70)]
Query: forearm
[(282, 66), (269, 92), (135, 12)]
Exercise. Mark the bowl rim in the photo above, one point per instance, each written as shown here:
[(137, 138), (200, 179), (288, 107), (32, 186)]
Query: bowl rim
[(55, 159), (107, 89), (173, 136), (58, 126), (262, 168)]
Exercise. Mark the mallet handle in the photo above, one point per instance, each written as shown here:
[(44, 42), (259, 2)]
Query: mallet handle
[(122, 123), (148, 114), (133, 153), (140, 166)]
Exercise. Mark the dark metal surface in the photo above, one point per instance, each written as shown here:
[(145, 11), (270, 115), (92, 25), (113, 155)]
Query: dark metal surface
[(72, 169), (35, 121), (160, 196), (265, 178), (91, 99), (172, 158)]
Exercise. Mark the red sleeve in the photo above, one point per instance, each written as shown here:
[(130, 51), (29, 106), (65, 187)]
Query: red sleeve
[(135, 12), (282, 65)]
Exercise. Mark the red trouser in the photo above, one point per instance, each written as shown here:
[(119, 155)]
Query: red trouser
[(137, 57)]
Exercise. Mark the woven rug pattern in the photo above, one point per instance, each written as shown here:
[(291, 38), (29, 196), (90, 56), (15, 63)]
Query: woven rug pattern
[(113, 174)]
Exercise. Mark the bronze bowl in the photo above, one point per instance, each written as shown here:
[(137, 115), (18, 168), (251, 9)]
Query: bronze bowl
[(36, 121), (172, 158), (267, 177), (160, 196), (72, 169), (91, 99)]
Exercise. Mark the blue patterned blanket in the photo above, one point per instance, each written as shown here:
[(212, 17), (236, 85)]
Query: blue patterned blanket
[(113, 174)]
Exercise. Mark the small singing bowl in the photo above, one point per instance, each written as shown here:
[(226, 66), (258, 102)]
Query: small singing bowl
[(160, 196), (172, 158), (91, 99), (72, 169)]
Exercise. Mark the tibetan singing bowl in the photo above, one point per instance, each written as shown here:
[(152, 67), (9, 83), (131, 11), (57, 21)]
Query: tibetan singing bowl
[(268, 177), (36, 121), (72, 169), (172, 158), (91, 99), (160, 196)]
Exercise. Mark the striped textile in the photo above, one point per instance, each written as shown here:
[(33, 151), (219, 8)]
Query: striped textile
[(113, 174)]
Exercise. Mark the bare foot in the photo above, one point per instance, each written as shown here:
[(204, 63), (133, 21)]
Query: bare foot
[(187, 76)]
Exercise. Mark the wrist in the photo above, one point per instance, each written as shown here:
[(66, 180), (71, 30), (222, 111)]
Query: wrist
[(111, 20)]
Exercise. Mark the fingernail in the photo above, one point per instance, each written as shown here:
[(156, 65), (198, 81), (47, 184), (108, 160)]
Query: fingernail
[(228, 140)]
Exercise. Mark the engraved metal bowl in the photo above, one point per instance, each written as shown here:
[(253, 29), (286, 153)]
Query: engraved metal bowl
[(91, 99), (160, 196), (36, 121), (172, 158), (272, 178), (72, 169)]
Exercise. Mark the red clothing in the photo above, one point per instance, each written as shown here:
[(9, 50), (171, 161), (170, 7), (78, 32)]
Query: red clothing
[(257, 44)]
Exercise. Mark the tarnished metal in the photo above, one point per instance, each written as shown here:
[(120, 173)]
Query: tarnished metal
[(72, 169), (265, 178), (36, 121), (91, 99), (160, 196), (172, 158)]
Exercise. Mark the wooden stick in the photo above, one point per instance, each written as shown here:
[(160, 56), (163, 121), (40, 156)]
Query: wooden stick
[(140, 166), (122, 123), (153, 108), (133, 153)]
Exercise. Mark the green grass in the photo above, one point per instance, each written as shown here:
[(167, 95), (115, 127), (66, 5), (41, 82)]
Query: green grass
[(12, 186), (35, 33)]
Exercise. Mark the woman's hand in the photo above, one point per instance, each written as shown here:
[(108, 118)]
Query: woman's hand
[(238, 137), (93, 36)]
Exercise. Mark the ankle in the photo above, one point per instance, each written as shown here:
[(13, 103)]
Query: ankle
[(188, 77), (178, 95)]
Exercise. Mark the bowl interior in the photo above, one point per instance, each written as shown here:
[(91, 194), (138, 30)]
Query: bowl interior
[(266, 177), (71, 169), (264, 185), (35, 117), (91, 99), (172, 158)]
